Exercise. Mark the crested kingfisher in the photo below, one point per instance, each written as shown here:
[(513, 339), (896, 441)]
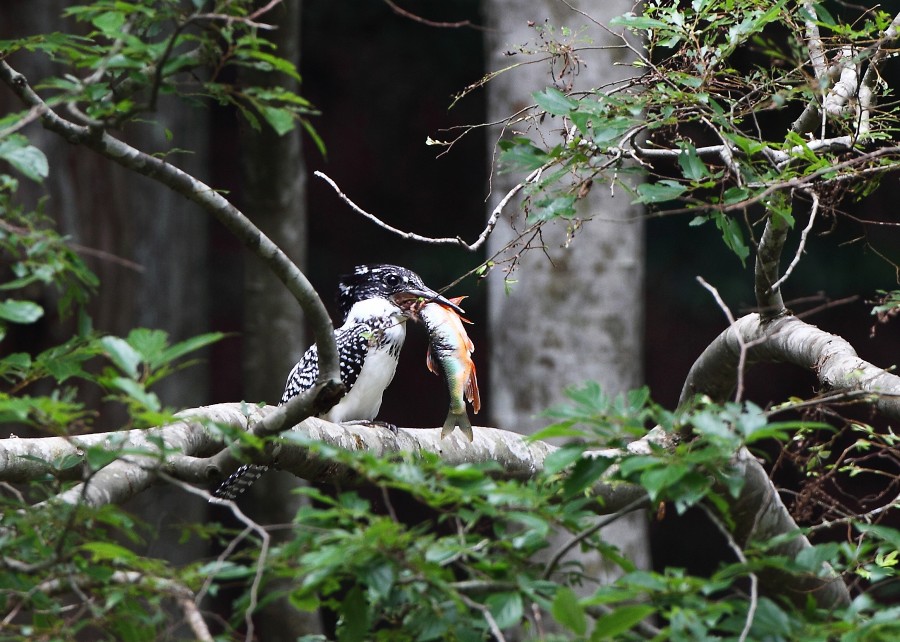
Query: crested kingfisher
[(375, 303)]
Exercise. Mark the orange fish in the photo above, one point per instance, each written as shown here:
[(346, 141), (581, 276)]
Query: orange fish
[(450, 355)]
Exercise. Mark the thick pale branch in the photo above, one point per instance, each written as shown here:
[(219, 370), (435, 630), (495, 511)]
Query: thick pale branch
[(766, 273), (205, 196), (760, 515), (788, 339), (188, 443)]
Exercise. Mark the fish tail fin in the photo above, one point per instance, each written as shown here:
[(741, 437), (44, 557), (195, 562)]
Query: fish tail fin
[(458, 420)]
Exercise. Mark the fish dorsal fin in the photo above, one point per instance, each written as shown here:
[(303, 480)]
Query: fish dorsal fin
[(457, 300)]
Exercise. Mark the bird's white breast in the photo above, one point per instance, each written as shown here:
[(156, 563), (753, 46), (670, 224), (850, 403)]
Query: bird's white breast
[(363, 401)]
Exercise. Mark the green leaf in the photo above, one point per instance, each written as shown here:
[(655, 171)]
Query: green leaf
[(657, 480), (17, 311), (692, 168), (26, 158), (281, 120), (108, 551), (567, 610), (120, 352), (637, 22), (137, 392), (553, 101), (610, 130), (733, 235), (187, 346), (98, 457), (562, 458), (620, 620), (147, 343), (584, 473), (664, 190), (735, 195), (275, 63), (355, 617), (379, 577), (522, 154), (109, 22), (506, 608), (551, 208)]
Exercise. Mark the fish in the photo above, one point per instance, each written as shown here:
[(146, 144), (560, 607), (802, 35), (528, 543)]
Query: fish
[(450, 354)]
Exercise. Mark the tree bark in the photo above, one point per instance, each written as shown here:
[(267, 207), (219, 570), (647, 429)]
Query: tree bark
[(575, 312), (752, 339), (274, 196), (758, 513)]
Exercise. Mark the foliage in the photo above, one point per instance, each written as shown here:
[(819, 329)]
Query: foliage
[(130, 55), (417, 549), (713, 116)]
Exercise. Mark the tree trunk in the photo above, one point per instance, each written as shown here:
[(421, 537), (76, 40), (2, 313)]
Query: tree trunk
[(147, 245), (274, 197), (575, 311)]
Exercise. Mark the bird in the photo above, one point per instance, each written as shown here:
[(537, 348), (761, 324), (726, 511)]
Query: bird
[(375, 301)]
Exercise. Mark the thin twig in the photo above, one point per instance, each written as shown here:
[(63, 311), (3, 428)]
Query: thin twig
[(754, 581), (400, 11), (457, 241), (486, 612), (800, 248), (250, 524), (107, 256), (31, 115), (742, 359), (583, 535)]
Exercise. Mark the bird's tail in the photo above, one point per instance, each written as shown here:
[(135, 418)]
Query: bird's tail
[(458, 420), (239, 481)]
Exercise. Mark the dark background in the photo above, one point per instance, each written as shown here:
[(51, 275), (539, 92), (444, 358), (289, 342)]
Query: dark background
[(383, 84)]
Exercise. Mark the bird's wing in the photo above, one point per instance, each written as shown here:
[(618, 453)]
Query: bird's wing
[(353, 345)]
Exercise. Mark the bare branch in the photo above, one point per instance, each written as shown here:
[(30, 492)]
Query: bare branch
[(788, 339), (181, 593), (212, 202), (410, 236), (802, 246), (814, 40), (264, 537), (742, 359), (768, 258), (640, 502), (754, 581)]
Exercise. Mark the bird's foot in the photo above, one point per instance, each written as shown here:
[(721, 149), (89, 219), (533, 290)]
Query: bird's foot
[(372, 422)]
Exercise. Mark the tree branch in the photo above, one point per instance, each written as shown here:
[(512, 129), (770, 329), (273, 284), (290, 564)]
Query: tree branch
[(758, 513), (410, 236), (212, 202), (788, 339), (766, 272)]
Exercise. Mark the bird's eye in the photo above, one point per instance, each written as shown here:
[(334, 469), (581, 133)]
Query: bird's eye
[(392, 280)]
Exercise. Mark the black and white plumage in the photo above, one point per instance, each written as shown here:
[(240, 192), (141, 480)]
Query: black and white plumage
[(374, 303)]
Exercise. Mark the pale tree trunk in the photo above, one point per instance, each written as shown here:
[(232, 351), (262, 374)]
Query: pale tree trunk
[(147, 245), (274, 197), (574, 313)]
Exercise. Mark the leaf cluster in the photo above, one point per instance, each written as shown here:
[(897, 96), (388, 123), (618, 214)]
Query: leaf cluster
[(127, 56), (711, 116)]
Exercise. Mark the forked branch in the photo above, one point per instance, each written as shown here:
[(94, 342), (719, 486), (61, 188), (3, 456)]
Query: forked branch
[(214, 203)]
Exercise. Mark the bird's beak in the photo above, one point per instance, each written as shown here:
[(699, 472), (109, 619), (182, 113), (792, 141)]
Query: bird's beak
[(427, 295)]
